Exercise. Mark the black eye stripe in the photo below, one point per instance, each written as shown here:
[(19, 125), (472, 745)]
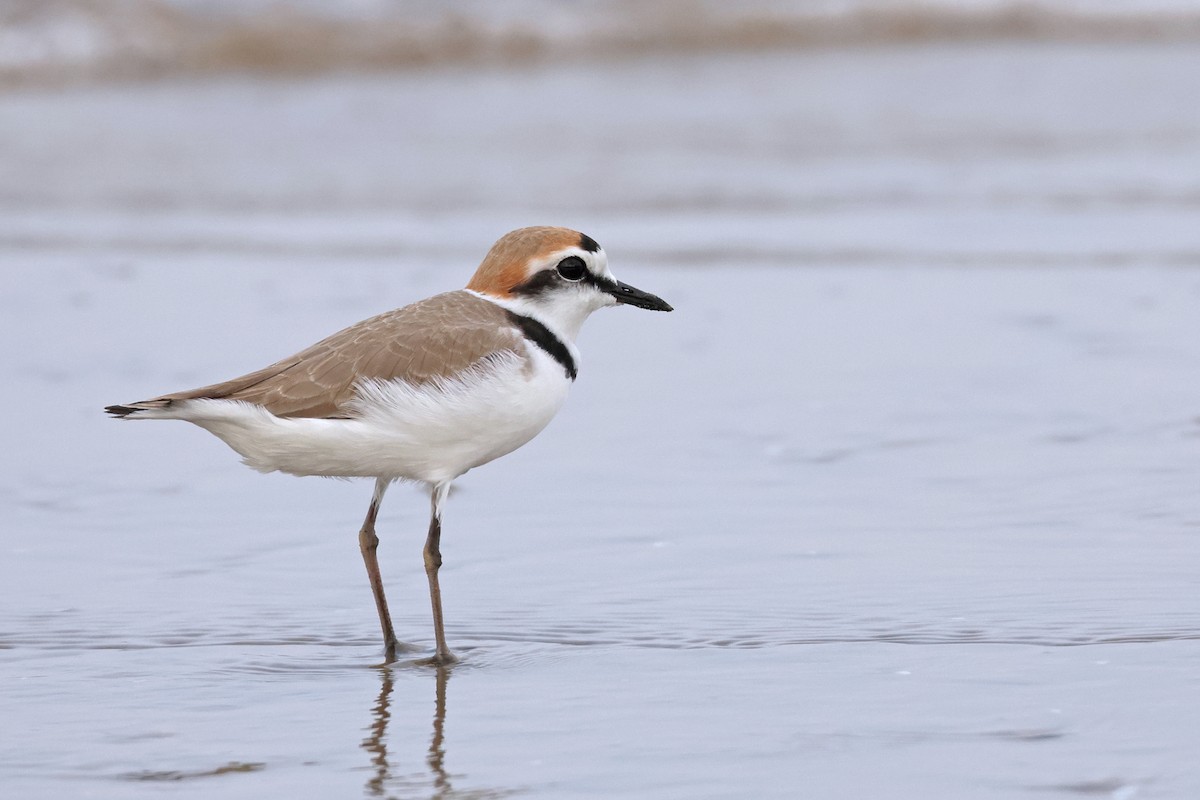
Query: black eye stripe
[(546, 279)]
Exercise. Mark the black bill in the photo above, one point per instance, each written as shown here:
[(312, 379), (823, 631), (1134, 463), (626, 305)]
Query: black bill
[(636, 297)]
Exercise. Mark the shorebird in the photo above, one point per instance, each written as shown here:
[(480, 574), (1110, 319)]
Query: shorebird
[(423, 393)]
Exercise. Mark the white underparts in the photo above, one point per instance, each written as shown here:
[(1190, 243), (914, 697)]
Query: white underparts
[(433, 432)]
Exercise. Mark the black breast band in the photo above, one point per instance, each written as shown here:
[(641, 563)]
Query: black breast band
[(544, 338)]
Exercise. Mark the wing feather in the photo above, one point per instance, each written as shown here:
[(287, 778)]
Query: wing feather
[(428, 340)]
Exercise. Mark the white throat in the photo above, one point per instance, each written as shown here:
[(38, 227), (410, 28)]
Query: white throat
[(564, 316)]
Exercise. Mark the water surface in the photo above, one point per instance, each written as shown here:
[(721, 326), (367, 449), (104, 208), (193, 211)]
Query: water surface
[(900, 502)]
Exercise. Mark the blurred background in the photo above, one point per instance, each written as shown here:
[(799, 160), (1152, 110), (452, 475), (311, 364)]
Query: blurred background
[(885, 132), (902, 501)]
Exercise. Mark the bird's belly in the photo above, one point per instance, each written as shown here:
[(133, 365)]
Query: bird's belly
[(432, 432)]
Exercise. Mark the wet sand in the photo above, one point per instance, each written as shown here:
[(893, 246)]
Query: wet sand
[(901, 501)]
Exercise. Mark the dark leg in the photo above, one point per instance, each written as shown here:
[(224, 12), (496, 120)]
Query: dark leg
[(433, 560), (368, 542)]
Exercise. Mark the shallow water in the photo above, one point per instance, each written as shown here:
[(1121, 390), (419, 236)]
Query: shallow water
[(900, 502)]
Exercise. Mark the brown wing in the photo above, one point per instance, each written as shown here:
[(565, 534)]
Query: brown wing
[(433, 338)]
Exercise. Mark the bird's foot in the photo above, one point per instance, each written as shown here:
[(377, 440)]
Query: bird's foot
[(393, 649), (440, 659)]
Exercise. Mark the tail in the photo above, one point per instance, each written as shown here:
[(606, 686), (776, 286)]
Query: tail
[(146, 409)]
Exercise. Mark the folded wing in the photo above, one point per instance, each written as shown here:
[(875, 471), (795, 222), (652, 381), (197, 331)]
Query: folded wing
[(429, 340)]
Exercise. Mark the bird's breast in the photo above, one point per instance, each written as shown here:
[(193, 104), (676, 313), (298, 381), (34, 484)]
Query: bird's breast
[(439, 430)]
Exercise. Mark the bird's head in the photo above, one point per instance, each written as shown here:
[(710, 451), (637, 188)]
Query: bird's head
[(556, 274)]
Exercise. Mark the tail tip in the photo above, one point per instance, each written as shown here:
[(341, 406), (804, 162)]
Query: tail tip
[(133, 409)]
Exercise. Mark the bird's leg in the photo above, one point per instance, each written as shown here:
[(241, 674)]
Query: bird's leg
[(368, 542), (433, 560)]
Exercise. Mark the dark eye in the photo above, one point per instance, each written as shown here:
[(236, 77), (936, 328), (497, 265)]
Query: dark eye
[(572, 268)]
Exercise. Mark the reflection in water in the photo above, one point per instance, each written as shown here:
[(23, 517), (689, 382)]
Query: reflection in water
[(437, 753), (376, 743), (436, 785)]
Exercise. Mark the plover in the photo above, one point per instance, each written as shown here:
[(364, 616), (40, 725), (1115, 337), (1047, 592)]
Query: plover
[(423, 393)]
